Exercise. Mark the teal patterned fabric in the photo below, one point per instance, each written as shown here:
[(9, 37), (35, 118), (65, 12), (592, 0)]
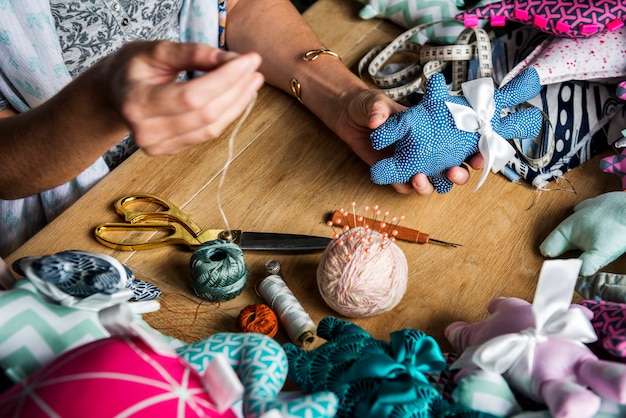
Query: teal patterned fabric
[(32, 69), (33, 331), (374, 378), (261, 365), (410, 13)]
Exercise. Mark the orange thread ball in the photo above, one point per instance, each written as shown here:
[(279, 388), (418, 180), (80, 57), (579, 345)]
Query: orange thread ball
[(258, 318)]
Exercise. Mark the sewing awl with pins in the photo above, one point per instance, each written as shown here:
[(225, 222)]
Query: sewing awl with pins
[(345, 219)]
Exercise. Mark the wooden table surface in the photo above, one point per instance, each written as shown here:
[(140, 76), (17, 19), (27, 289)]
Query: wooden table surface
[(289, 171)]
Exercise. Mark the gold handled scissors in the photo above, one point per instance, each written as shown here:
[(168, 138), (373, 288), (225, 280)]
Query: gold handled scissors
[(169, 225)]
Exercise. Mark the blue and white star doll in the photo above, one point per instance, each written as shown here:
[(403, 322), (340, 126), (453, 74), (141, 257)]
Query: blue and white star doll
[(443, 130)]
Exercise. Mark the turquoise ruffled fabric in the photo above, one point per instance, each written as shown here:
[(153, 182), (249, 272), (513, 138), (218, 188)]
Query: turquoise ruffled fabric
[(374, 378)]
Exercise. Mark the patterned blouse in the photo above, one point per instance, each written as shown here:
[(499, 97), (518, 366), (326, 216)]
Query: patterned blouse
[(89, 30)]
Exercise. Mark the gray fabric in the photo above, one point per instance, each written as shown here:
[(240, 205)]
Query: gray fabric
[(610, 287)]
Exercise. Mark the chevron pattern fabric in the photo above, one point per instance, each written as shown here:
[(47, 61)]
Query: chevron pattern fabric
[(34, 332), (261, 365), (410, 13)]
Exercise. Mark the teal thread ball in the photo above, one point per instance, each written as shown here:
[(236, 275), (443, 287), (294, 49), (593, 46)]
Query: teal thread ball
[(218, 271)]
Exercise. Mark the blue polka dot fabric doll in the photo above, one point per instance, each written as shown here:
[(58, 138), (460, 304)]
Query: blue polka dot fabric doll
[(443, 130)]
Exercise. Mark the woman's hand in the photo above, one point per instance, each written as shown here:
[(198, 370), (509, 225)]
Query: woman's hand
[(368, 110), (166, 116)]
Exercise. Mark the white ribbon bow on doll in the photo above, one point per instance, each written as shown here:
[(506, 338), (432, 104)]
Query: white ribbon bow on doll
[(553, 318), (495, 150)]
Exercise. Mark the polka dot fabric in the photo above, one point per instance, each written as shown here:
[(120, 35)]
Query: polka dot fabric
[(556, 60), (427, 140)]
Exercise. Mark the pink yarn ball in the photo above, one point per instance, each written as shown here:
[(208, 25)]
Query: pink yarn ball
[(368, 282)]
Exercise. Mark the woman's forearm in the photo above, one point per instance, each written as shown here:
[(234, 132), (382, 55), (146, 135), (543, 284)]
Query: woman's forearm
[(276, 30), (54, 142)]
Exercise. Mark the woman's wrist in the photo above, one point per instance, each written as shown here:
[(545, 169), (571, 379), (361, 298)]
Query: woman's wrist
[(326, 87), (310, 55)]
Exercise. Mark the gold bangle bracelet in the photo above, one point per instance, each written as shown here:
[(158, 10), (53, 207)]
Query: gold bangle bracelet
[(312, 55), (296, 89)]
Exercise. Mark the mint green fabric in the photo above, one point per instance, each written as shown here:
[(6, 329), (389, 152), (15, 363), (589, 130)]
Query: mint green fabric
[(410, 13), (487, 392), (33, 332), (596, 228)]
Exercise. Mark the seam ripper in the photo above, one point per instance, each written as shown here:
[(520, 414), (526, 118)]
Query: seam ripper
[(340, 219)]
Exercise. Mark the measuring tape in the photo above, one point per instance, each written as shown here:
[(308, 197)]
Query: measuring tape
[(473, 43)]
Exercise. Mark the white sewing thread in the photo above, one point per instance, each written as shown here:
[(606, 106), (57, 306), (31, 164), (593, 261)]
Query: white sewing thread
[(297, 323), (229, 160)]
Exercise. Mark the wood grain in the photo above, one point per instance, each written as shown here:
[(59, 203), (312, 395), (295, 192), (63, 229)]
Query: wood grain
[(288, 173)]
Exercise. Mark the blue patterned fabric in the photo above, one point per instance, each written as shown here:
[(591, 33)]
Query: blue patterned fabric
[(581, 113), (261, 365), (81, 274), (427, 140), (33, 69)]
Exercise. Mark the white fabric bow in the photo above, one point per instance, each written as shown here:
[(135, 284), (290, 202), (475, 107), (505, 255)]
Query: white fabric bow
[(553, 318), (495, 150)]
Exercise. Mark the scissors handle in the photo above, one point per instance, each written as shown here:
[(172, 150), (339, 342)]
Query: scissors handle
[(174, 234), (171, 212)]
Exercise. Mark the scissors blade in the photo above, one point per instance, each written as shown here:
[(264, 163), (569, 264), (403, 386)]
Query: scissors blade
[(270, 241)]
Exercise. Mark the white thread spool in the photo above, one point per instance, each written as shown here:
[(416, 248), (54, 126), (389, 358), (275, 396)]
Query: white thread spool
[(299, 326)]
